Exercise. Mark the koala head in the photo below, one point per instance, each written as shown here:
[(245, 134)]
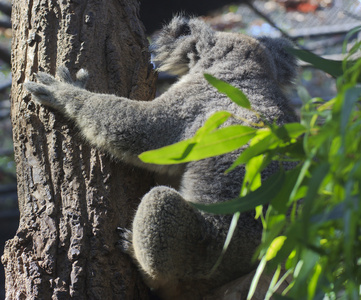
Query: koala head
[(188, 42)]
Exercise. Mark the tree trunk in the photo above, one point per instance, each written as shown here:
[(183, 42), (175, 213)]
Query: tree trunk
[(71, 197)]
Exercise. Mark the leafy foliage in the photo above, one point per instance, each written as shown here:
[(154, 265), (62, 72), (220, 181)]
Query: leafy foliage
[(313, 221), (208, 141)]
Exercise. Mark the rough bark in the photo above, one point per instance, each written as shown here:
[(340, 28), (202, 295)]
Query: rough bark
[(71, 197)]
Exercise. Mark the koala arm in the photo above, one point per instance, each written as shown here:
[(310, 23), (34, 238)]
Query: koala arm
[(119, 125)]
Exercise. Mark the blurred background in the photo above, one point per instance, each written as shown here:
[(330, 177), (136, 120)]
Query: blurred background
[(316, 25)]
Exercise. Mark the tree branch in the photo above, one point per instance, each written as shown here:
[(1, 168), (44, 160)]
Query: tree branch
[(268, 19)]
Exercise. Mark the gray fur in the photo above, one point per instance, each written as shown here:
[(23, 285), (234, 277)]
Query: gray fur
[(175, 245)]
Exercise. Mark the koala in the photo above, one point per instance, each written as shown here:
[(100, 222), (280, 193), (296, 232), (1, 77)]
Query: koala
[(174, 244)]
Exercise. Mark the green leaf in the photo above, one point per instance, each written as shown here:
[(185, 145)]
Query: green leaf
[(217, 142), (261, 196), (301, 175), (348, 38), (213, 122), (288, 245), (259, 211), (304, 271), (221, 141), (280, 202), (352, 95), (252, 178), (236, 95), (332, 67), (275, 246), (170, 154), (256, 278), (267, 142), (231, 230), (318, 175), (290, 131), (313, 281)]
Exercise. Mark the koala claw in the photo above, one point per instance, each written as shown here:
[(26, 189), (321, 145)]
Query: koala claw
[(82, 77), (64, 75), (125, 243), (45, 78)]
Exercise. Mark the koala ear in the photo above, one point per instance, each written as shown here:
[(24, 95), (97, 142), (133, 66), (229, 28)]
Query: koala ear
[(285, 62), (183, 28), (177, 27)]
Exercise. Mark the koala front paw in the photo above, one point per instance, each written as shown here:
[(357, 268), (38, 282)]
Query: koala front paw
[(43, 91), (55, 93)]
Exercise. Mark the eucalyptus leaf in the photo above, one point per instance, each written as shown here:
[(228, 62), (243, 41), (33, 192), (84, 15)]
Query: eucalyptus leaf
[(213, 122), (217, 142), (275, 246), (290, 131), (261, 196), (318, 174), (281, 201), (256, 277), (236, 95), (252, 177), (332, 67), (351, 97), (268, 142)]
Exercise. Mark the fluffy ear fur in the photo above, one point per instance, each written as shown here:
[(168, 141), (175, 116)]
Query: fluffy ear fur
[(180, 44), (284, 62)]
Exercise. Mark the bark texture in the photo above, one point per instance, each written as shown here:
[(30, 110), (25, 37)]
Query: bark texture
[(71, 197)]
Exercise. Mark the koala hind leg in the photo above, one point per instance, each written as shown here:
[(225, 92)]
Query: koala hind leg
[(167, 231)]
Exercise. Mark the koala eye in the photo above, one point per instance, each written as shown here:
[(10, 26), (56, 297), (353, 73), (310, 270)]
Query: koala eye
[(183, 30)]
